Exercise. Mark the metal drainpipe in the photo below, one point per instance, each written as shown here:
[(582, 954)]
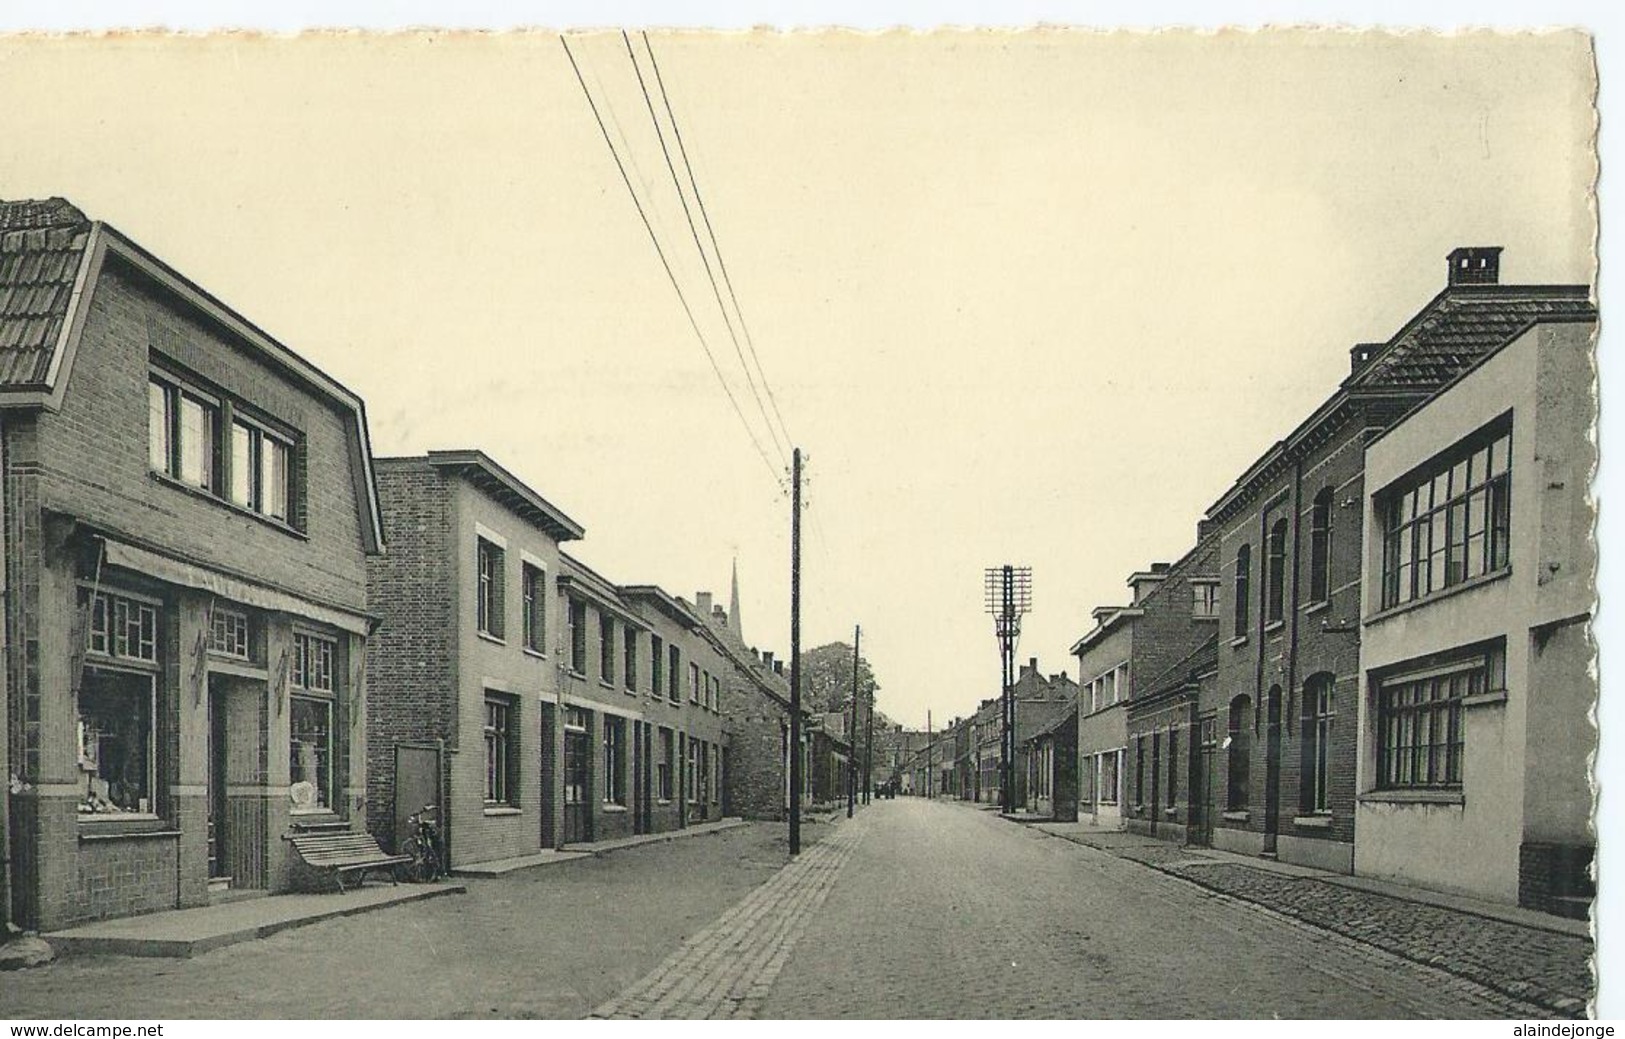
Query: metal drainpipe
[(6, 863)]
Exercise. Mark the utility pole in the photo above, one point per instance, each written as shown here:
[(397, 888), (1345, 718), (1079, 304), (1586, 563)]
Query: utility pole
[(928, 753), (852, 735), (1009, 594), (795, 653)]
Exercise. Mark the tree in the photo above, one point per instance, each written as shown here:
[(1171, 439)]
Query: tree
[(826, 680)]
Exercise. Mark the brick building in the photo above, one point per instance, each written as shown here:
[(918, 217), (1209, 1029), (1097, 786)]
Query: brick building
[(188, 511), (1474, 737), (1291, 530), (465, 660), (1050, 747), (1177, 619)]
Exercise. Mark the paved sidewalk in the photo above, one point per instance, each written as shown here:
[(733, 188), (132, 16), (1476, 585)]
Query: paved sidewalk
[(184, 933), (1532, 957), (587, 849), (728, 968)]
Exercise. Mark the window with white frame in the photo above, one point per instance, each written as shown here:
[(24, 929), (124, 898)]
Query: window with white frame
[(664, 764), (489, 593), (261, 468), (217, 445), (1205, 599), (228, 632), (690, 770), (501, 733), (693, 683), (1110, 764), (311, 708), (1451, 521), (1317, 735)]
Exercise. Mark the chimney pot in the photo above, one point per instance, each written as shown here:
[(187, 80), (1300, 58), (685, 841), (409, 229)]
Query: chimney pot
[(1475, 265)]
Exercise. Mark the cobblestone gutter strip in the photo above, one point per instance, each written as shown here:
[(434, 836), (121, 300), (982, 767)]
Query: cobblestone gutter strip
[(1551, 971), (727, 969)]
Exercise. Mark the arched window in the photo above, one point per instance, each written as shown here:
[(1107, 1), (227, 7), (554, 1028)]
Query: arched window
[(1240, 761), (1244, 570), (1320, 547), (1317, 733), (1276, 574)]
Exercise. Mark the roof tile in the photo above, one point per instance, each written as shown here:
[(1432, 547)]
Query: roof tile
[(41, 245)]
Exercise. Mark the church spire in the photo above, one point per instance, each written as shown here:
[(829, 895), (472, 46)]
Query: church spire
[(733, 605)]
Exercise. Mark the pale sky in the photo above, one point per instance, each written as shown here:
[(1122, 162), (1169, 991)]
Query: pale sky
[(1021, 298)]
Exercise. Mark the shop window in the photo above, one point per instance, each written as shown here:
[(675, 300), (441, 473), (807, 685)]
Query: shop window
[(117, 752), (311, 710)]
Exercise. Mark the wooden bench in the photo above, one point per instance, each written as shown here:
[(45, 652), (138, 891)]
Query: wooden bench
[(343, 853)]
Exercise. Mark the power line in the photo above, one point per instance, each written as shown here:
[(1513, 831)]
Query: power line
[(694, 233), (670, 275), (711, 233)]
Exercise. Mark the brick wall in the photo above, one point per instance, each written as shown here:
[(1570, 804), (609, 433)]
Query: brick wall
[(410, 669)]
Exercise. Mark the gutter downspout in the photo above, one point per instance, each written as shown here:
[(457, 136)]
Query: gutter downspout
[(6, 766)]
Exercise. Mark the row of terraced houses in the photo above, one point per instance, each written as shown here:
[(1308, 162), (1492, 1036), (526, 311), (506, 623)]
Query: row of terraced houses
[(1376, 657), (226, 623)]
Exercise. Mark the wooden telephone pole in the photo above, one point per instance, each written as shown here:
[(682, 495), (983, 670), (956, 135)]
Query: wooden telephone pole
[(795, 653)]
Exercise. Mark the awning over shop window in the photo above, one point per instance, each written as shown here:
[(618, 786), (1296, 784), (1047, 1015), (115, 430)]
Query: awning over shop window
[(174, 571)]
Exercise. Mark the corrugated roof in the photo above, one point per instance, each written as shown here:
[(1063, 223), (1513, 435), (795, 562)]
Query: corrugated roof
[(42, 244)]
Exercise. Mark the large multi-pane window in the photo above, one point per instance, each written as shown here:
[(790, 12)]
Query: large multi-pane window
[(228, 633), (1420, 726), (1451, 522), (1243, 586), (501, 750), (212, 444), (533, 611), (1320, 547), (489, 594), (116, 708), (1317, 735), (123, 628), (311, 707), (614, 760), (1275, 578)]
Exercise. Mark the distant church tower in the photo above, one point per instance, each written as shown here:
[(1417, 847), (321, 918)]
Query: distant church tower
[(733, 606)]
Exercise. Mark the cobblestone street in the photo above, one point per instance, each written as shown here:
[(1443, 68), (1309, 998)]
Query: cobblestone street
[(912, 909)]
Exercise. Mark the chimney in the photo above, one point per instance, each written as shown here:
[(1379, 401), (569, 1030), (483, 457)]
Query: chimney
[(1204, 527), (778, 667), (1475, 265), (702, 601), (1360, 354), (767, 658), (1030, 667), (719, 615)]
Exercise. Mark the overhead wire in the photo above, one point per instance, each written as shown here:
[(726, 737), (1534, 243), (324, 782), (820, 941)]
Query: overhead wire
[(694, 232), (666, 264), (716, 246)]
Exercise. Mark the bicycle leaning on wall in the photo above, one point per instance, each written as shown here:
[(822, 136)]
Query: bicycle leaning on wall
[(422, 846)]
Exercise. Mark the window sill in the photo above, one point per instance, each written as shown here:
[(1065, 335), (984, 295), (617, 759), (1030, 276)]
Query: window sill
[(121, 824), (612, 808), (229, 505), (1235, 817), (579, 676), (631, 692), (663, 801), (1274, 626), (535, 653), (606, 685), (308, 815), (1317, 607), (503, 810), (1312, 822), (1442, 797), (1444, 593), (1239, 640), (496, 640), (156, 831), (1485, 699), (1171, 811), (1205, 617)]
